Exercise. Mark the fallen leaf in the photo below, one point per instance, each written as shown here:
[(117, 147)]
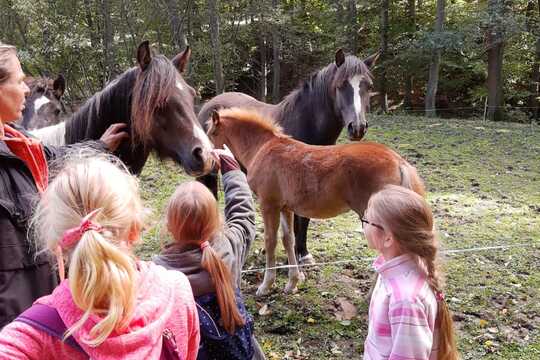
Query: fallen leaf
[(482, 323), (346, 310), (265, 310), (311, 320)]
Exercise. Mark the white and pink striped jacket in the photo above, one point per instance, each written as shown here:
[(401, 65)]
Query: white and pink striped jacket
[(402, 313)]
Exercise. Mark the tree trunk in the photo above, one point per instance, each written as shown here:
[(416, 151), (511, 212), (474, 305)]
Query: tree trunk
[(263, 84), (411, 13), (384, 50), (495, 54), (108, 52), (178, 37), (216, 45), (353, 27), (534, 88), (433, 80), (275, 57)]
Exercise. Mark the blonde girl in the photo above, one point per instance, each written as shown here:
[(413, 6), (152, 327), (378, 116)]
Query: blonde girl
[(112, 305), (408, 316)]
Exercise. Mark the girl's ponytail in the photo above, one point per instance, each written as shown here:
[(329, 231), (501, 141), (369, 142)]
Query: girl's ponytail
[(222, 280)]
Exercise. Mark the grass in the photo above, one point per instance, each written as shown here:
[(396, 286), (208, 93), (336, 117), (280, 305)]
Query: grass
[(484, 185)]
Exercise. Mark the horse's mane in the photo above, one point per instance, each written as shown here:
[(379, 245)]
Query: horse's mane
[(253, 117), (317, 87), (153, 88), (148, 90)]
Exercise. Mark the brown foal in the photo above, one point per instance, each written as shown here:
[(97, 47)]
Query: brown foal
[(289, 176)]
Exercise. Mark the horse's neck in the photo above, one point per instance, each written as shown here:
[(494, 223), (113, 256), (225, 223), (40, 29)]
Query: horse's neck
[(51, 135), (246, 143), (307, 117)]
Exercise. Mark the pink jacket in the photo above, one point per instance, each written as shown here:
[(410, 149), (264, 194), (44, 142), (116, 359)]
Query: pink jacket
[(164, 300), (402, 313)]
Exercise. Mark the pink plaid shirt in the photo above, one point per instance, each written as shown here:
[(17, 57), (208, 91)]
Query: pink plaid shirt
[(402, 313)]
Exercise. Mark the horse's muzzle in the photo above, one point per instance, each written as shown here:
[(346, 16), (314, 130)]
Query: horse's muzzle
[(356, 133)]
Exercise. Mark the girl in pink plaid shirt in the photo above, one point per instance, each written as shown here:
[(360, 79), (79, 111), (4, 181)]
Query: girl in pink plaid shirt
[(408, 317)]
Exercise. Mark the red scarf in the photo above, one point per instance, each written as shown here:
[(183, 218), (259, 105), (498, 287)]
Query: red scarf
[(31, 152)]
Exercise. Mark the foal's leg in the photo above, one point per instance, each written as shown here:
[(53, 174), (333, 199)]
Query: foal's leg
[(288, 242), (271, 225), (300, 234)]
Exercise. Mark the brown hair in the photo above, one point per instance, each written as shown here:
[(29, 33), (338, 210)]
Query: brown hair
[(193, 217), (408, 217), (5, 53)]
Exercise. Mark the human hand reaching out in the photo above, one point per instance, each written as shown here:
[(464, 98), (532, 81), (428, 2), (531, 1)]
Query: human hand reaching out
[(227, 162)]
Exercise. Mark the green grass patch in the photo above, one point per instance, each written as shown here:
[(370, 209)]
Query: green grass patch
[(483, 181)]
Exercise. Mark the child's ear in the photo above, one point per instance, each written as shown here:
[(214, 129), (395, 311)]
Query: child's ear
[(389, 241)]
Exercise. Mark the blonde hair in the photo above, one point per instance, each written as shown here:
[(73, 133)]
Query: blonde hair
[(6, 51), (102, 271), (193, 218), (408, 217)]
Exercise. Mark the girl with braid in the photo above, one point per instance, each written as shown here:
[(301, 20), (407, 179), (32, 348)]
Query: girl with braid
[(408, 316)]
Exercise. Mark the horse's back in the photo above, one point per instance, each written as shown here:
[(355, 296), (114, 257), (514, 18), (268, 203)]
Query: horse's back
[(229, 100)]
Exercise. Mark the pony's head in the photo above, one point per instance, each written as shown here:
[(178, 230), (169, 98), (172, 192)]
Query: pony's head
[(44, 104), (352, 83), (163, 116)]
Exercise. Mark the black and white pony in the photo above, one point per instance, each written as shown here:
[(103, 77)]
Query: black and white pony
[(44, 106), (334, 97), (156, 104)]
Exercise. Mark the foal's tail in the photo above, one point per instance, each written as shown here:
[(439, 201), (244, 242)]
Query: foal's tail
[(410, 178)]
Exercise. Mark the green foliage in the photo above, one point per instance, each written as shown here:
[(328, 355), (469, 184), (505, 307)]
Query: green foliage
[(67, 36)]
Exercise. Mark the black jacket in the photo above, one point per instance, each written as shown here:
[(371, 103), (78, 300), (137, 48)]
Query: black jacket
[(24, 277)]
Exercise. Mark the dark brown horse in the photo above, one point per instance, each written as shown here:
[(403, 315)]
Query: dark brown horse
[(334, 97), (44, 104), (156, 104), (290, 176)]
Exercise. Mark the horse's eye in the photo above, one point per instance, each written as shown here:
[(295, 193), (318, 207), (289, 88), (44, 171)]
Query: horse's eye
[(57, 112)]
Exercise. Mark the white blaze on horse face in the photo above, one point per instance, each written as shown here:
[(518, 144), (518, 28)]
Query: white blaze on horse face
[(355, 83), (203, 138), (39, 102)]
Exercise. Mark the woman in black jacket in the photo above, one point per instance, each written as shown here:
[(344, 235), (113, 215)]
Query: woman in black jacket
[(24, 276)]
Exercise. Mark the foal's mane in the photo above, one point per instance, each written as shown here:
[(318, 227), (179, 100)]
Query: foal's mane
[(253, 117)]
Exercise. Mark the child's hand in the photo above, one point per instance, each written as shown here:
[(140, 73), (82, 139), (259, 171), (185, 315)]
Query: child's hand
[(227, 161), (224, 152)]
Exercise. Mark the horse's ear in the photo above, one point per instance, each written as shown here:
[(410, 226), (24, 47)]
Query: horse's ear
[(144, 55), (213, 123), (215, 119), (372, 59), (340, 57), (59, 86), (181, 60)]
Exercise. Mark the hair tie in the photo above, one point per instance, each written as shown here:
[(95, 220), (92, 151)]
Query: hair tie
[(73, 235), (204, 245), (439, 296)]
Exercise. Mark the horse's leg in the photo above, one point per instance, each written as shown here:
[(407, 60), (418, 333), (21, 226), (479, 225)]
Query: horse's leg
[(295, 275), (300, 233), (210, 181), (271, 224)]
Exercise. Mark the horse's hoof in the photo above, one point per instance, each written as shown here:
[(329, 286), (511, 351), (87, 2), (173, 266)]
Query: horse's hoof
[(263, 290), (290, 289), (306, 260)]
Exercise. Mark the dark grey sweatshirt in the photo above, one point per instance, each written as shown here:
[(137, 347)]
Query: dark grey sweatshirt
[(232, 244)]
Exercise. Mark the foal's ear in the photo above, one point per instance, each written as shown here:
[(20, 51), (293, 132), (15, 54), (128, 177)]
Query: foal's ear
[(59, 86), (340, 57), (372, 59), (215, 119), (181, 60), (144, 55)]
